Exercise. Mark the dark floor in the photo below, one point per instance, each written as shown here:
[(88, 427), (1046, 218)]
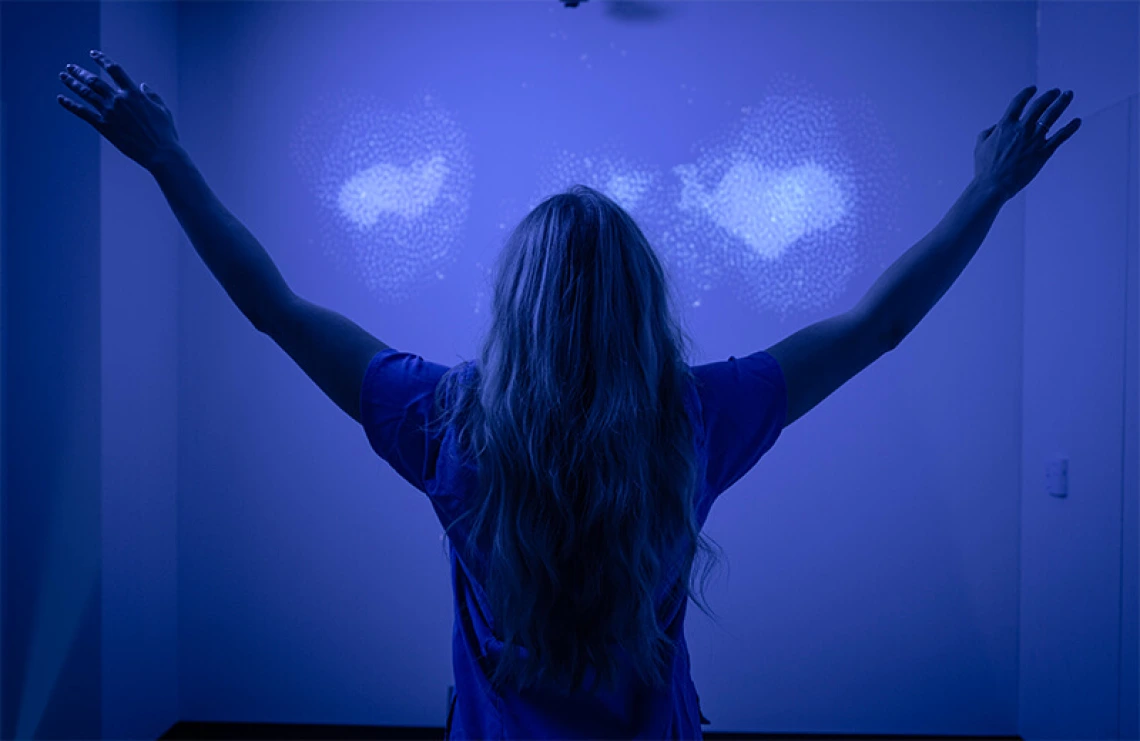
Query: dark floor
[(215, 731)]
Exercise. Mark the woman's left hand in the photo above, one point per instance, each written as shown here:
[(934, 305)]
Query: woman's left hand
[(135, 120)]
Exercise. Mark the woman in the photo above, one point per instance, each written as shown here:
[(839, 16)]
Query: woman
[(575, 463)]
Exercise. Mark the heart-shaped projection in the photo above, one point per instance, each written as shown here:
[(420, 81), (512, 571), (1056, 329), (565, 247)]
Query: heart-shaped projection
[(771, 209), (784, 205)]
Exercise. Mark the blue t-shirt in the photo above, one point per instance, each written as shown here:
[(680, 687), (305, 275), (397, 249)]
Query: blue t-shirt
[(738, 408)]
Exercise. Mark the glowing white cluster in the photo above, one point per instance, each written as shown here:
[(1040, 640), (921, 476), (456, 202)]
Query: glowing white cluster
[(384, 188), (628, 189), (781, 211), (769, 209), (392, 187)]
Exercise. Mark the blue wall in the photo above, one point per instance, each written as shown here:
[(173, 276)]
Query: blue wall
[(1079, 555), (900, 610), (895, 564), (140, 242), (89, 423), (51, 651)]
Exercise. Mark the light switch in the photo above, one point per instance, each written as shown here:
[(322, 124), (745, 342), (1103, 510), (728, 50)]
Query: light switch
[(1057, 476)]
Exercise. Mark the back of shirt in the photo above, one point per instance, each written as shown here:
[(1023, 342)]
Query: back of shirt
[(738, 408)]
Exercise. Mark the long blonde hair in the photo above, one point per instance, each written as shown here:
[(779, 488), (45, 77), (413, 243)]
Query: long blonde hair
[(585, 451)]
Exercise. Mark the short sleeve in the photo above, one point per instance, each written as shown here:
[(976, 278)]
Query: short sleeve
[(744, 405), (396, 399)]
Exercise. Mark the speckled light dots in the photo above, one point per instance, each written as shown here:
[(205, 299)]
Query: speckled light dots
[(781, 209), (790, 200), (393, 188)]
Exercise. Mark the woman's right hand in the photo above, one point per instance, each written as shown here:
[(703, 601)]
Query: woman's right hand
[(1010, 153)]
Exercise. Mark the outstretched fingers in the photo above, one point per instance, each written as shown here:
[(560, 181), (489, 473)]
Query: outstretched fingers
[(1017, 105), (117, 73), (1050, 117), (1061, 137), (87, 114)]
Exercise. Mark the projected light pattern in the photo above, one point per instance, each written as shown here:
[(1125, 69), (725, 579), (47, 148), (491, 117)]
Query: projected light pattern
[(385, 189), (645, 191), (635, 186), (628, 187), (392, 189), (798, 199), (784, 207), (782, 211), (638, 187)]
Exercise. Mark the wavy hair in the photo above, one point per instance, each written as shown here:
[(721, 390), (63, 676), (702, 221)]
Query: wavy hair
[(586, 457)]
